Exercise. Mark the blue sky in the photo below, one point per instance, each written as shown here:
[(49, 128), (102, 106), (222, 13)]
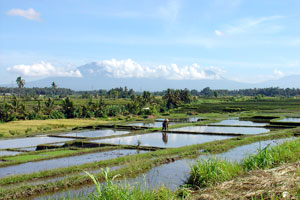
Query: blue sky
[(248, 41)]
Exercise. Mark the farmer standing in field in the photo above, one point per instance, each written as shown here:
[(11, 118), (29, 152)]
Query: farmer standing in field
[(165, 125)]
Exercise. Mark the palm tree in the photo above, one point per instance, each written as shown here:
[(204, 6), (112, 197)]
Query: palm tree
[(53, 85), (20, 82)]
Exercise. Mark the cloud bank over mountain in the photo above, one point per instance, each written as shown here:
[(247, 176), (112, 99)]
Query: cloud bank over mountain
[(43, 69), (122, 69)]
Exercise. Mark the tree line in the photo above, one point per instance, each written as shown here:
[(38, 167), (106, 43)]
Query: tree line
[(127, 93), (15, 108)]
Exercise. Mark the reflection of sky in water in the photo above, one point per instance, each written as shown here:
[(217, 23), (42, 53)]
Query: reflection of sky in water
[(216, 129), (174, 174), (156, 139), (29, 141), (289, 119), (96, 133), (151, 124), (30, 167), (239, 153), (238, 122), (6, 153)]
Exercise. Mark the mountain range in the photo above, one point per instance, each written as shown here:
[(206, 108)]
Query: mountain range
[(95, 77)]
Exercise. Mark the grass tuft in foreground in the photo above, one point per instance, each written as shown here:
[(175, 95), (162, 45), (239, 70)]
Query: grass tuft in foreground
[(272, 157), (209, 172)]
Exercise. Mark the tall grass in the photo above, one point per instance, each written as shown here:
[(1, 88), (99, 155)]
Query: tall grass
[(209, 172), (212, 171), (272, 157)]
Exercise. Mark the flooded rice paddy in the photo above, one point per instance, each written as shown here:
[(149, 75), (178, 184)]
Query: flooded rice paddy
[(29, 141), (48, 180), (190, 119), (31, 167), (221, 129), (289, 119), (171, 175), (96, 133), (159, 139), (156, 124), (9, 153), (236, 122), (174, 174)]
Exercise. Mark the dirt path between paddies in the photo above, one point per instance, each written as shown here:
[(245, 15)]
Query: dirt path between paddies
[(281, 182)]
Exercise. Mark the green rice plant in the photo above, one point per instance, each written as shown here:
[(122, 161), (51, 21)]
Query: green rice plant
[(209, 172)]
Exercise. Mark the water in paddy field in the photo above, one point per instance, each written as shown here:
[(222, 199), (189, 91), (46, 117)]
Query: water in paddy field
[(289, 119), (151, 124), (31, 167), (191, 119), (48, 180), (159, 139), (29, 141), (96, 133), (222, 129), (174, 174), (234, 122), (9, 153)]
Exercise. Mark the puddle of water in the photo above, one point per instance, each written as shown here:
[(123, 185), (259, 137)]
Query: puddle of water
[(9, 153), (173, 175), (29, 141), (221, 129), (289, 119), (239, 123), (150, 124), (31, 167), (96, 133), (159, 139)]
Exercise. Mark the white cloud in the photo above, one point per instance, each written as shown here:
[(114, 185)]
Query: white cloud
[(30, 14), (131, 69), (43, 69), (219, 33)]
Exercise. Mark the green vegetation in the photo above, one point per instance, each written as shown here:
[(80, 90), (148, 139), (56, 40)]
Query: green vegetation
[(212, 171), (63, 110), (209, 172), (111, 191), (269, 158)]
